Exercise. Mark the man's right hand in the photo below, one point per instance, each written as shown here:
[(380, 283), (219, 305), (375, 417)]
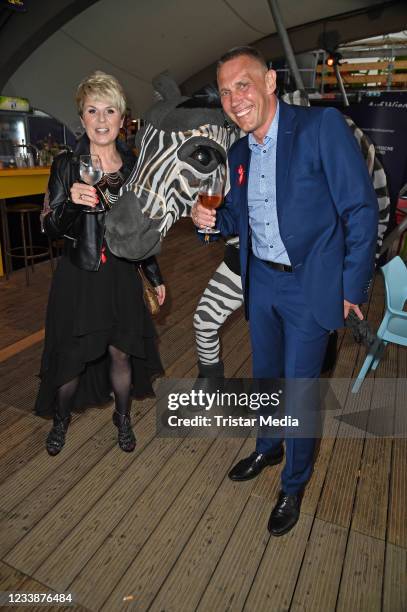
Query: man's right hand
[(203, 217)]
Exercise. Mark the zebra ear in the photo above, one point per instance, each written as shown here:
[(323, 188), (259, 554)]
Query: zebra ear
[(165, 87), (297, 97)]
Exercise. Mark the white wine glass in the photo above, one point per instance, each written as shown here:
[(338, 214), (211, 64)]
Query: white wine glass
[(91, 172)]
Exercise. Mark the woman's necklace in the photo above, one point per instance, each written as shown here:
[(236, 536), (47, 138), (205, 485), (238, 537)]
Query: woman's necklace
[(110, 185)]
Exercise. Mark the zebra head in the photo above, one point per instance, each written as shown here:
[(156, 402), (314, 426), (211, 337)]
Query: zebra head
[(183, 141)]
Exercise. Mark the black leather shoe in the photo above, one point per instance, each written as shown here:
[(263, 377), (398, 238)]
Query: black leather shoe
[(285, 513), (56, 438), (126, 437), (251, 466)]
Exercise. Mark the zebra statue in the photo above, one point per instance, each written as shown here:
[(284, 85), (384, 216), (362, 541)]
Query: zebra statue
[(183, 141), (224, 294)]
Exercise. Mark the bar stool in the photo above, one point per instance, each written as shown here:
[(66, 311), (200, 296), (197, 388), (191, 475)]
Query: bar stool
[(27, 251)]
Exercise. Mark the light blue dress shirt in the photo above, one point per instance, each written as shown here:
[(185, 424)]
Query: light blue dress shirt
[(261, 194)]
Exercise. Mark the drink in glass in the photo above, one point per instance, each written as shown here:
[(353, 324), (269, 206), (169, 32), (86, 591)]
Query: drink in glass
[(210, 195), (91, 172)]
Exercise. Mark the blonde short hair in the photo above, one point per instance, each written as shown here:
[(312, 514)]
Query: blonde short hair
[(101, 86)]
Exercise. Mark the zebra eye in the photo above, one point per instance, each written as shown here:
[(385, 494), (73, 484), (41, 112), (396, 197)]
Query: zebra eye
[(202, 155)]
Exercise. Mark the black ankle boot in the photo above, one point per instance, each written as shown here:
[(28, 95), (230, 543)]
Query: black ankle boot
[(56, 437), (126, 437), (212, 370), (211, 378)]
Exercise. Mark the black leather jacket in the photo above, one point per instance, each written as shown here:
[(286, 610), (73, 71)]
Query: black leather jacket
[(83, 233)]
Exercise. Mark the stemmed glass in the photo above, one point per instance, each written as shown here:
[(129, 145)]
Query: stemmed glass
[(210, 195), (91, 172)]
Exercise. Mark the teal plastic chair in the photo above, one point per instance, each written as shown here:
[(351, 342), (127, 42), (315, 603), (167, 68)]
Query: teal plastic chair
[(393, 328)]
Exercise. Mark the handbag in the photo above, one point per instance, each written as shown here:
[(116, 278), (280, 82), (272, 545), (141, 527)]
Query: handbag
[(149, 295)]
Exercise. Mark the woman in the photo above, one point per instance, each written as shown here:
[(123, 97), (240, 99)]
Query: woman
[(99, 335)]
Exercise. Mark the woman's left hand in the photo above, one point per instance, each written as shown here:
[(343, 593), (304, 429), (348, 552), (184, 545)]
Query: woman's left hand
[(160, 291)]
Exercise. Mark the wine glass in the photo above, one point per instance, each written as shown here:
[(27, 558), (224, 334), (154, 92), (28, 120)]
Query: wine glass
[(91, 172), (210, 195)]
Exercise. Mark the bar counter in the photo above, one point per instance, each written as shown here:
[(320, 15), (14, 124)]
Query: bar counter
[(16, 182), (20, 182)]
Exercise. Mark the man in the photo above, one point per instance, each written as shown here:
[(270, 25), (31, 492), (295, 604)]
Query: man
[(303, 205)]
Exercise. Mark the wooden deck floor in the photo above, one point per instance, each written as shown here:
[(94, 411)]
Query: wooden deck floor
[(163, 528)]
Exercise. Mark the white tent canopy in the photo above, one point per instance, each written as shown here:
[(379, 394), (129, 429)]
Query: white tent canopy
[(135, 40)]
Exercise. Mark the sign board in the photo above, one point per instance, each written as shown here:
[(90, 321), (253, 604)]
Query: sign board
[(14, 104), (384, 120)]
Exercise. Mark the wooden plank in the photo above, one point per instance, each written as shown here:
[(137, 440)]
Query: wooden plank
[(382, 79), (21, 345), (397, 520), (83, 540), (95, 580), (246, 369), (333, 402), (361, 584), (356, 66), (19, 486), (17, 582), (275, 581), (239, 353), (8, 333), (183, 588), (23, 452), (45, 535), (395, 583), (369, 516), (23, 516), (27, 365), (17, 431), (233, 575), (22, 395), (336, 502), (370, 511), (147, 572), (8, 415), (397, 523), (337, 497), (10, 577), (320, 574), (315, 486)]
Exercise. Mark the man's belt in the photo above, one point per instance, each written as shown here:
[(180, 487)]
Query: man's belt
[(278, 266)]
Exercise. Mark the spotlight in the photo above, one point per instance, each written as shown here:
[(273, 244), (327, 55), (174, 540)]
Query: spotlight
[(333, 59)]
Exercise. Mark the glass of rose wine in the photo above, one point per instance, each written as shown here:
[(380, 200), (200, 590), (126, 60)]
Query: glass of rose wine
[(210, 195)]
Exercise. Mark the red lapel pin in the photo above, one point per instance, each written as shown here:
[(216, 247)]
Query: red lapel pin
[(241, 175)]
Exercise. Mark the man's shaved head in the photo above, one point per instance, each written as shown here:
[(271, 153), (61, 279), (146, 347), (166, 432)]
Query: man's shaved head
[(239, 52)]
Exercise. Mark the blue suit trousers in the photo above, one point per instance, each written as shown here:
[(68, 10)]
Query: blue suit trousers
[(287, 342)]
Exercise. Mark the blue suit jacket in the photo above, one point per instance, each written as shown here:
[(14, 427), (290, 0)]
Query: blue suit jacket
[(326, 206)]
